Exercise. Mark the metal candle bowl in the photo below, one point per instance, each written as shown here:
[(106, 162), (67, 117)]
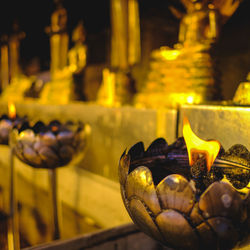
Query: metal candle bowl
[(49, 146), (161, 199), (6, 125)]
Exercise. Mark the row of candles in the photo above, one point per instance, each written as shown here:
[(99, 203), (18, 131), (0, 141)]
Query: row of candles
[(40, 145)]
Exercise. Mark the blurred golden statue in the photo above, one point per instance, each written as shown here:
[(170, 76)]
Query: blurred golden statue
[(199, 25), (187, 73), (13, 82), (125, 53), (65, 63), (59, 39), (77, 55), (242, 93)]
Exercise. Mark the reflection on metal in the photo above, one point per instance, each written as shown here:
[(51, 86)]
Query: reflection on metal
[(187, 73), (159, 194), (242, 94)]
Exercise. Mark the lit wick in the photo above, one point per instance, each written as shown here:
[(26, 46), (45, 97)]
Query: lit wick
[(7, 121), (201, 155), (198, 148), (11, 110)]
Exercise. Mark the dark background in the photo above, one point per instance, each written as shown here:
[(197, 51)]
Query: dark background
[(158, 27)]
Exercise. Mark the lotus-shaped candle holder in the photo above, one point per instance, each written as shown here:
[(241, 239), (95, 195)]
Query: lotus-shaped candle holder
[(50, 146), (164, 197), (6, 125)]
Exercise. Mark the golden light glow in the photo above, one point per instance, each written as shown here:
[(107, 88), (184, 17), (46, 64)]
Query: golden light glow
[(197, 146), (170, 54), (12, 110), (190, 99), (54, 128)]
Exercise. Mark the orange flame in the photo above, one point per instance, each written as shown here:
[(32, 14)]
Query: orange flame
[(12, 110), (54, 128), (197, 146)]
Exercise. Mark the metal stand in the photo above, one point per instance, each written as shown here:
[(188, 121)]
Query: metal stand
[(55, 204), (13, 237)]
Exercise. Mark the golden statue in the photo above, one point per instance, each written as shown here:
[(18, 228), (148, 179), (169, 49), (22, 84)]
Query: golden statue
[(187, 72), (242, 93), (14, 82), (65, 63), (58, 39), (199, 25), (77, 55)]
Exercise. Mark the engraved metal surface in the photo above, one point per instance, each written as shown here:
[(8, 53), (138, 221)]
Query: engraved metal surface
[(169, 208)]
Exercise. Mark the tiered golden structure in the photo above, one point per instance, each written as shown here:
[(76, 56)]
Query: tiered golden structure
[(187, 73)]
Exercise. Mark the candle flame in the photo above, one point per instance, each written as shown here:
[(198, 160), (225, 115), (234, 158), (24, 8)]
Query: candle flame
[(54, 128), (197, 146), (12, 110)]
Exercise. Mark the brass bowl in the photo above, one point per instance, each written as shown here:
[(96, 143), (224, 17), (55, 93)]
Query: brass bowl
[(6, 126), (50, 146), (166, 206)]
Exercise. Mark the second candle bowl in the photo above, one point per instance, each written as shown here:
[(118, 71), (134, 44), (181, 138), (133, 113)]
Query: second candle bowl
[(50, 145)]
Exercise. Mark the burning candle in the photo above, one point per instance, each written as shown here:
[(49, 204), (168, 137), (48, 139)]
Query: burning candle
[(191, 190), (233, 164), (197, 146), (7, 122)]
